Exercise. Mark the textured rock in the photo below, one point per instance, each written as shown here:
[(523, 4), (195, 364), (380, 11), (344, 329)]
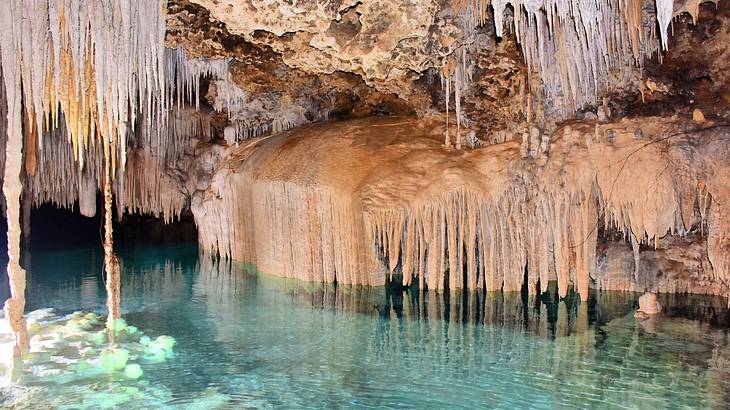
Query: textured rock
[(318, 204), (275, 96), (676, 265), (384, 41)]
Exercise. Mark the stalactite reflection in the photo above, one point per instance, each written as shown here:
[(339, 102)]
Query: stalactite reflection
[(595, 346)]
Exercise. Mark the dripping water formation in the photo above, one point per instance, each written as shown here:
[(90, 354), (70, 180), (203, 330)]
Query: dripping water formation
[(365, 203)]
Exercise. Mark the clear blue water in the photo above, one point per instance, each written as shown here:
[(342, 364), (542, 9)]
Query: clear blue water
[(248, 340)]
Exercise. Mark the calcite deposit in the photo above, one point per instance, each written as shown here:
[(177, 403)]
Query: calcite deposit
[(358, 202)]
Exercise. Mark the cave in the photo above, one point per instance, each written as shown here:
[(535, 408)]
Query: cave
[(365, 203)]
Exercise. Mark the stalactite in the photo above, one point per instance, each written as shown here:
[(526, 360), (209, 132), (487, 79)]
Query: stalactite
[(250, 115), (12, 187), (93, 64), (664, 9), (576, 46), (455, 71), (447, 77), (184, 74), (151, 163), (95, 61), (111, 263)]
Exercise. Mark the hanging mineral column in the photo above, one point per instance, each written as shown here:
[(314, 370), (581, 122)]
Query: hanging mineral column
[(12, 188), (111, 262)]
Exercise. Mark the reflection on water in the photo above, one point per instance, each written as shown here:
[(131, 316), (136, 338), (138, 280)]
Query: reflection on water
[(245, 338)]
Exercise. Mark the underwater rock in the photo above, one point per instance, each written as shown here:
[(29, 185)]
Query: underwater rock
[(114, 358), (133, 371), (158, 350), (62, 352)]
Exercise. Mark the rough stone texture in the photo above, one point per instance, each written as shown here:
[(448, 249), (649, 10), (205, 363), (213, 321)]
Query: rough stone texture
[(677, 265), (384, 41), (693, 72), (497, 98), (272, 84), (341, 67)]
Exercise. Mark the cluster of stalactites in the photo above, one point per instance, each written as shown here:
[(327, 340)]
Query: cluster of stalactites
[(467, 241), (578, 48), (99, 63), (184, 81), (64, 163), (145, 188), (455, 79), (471, 240), (184, 74)]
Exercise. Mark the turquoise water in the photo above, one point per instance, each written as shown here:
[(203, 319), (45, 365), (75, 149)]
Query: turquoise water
[(248, 340)]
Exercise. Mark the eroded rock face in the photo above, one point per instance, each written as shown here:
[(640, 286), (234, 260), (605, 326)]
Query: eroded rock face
[(273, 87), (356, 202), (386, 42), (692, 73)]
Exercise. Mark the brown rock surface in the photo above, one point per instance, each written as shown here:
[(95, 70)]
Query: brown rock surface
[(648, 304)]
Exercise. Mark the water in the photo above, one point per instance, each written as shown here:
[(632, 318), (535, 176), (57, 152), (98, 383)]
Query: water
[(248, 340)]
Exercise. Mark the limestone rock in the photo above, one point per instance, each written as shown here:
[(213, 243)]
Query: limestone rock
[(385, 41), (465, 219)]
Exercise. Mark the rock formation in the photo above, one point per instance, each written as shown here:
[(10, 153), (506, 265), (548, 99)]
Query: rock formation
[(320, 204), (648, 305)]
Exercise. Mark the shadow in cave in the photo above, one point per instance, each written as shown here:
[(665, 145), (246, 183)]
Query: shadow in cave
[(54, 229)]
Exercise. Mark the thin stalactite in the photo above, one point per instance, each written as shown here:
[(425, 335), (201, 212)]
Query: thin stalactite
[(111, 262)]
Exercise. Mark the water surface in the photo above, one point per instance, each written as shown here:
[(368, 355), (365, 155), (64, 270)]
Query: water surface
[(248, 340)]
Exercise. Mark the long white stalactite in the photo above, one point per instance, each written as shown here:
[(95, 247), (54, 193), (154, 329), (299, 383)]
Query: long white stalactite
[(580, 48)]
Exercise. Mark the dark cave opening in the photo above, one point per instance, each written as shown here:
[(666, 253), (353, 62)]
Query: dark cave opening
[(52, 227), (61, 229)]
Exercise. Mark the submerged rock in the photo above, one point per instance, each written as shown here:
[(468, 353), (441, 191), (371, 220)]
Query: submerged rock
[(62, 351), (133, 371)]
